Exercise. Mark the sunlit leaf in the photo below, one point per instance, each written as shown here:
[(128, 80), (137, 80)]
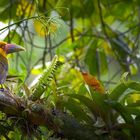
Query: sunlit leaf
[(25, 8), (133, 68), (119, 90)]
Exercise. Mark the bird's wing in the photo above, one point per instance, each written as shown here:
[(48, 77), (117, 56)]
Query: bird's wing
[(3, 69)]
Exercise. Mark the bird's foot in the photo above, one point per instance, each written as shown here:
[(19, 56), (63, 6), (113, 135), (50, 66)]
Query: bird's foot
[(2, 88)]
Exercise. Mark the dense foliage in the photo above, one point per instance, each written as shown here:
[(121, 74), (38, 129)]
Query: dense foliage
[(79, 76)]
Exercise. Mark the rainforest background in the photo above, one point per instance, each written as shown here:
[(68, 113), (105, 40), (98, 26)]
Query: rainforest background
[(79, 77)]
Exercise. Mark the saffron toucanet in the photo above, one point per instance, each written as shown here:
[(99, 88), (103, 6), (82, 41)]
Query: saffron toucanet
[(6, 49)]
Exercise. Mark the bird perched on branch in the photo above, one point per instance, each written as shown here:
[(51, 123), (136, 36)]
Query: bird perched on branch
[(6, 49)]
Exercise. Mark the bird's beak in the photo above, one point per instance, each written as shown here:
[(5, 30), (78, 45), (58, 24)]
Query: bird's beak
[(11, 48)]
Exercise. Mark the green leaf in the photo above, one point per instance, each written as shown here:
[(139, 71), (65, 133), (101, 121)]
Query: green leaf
[(91, 59), (133, 110), (6, 9), (4, 4), (82, 89), (14, 38), (118, 92), (133, 69), (137, 127), (121, 110), (87, 102), (124, 77), (103, 65), (77, 110), (99, 99)]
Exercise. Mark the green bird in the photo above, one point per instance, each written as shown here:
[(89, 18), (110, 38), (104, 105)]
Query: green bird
[(6, 49)]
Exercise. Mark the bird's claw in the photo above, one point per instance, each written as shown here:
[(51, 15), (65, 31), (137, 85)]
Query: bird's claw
[(2, 89)]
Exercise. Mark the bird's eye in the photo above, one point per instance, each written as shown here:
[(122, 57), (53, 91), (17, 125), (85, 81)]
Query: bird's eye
[(1, 46)]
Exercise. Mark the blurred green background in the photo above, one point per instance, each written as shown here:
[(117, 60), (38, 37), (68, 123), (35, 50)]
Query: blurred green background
[(100, 37)]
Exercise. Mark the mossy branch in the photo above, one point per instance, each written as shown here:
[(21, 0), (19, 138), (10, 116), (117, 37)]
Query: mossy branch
[(45, 79), (9, 103)]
